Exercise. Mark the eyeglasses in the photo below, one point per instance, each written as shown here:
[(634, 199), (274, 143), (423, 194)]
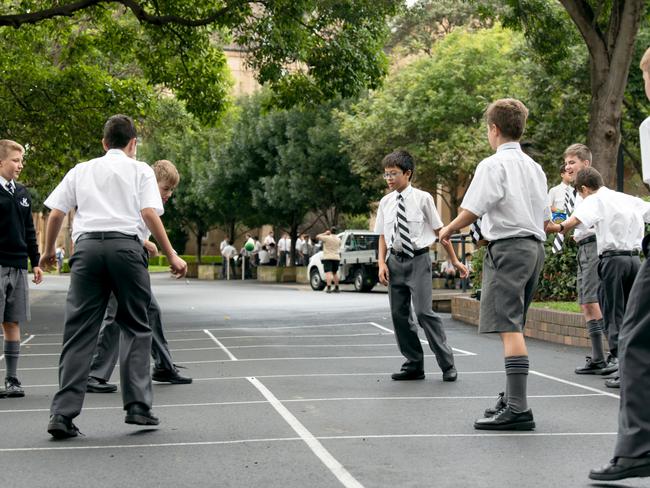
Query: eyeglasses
[(390, 176)]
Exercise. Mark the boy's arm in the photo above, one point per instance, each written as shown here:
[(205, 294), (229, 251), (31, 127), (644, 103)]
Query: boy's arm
[(54, 223), (151, 248), (151, 218), (32, 248), (451, 253), (381, 257), (464, 218), (569, 224)]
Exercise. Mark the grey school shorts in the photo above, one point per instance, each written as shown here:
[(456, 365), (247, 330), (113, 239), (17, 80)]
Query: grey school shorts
[(14, 294), (588, 281), (511, 270)]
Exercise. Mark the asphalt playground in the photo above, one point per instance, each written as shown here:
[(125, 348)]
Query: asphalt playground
[(292, 388)]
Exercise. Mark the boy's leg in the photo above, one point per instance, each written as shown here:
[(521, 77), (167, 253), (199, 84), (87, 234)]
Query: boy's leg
[(408, 342), (419, 283), (11, 351), (85, 307), (107, 351)]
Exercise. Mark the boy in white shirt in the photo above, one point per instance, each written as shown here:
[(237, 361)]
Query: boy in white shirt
[(509, 192), (408, 222)]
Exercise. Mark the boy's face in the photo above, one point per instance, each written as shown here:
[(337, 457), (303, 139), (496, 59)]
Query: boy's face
[(166, 190), (396, 179), (573, 164), (566, 178), (12, 165)]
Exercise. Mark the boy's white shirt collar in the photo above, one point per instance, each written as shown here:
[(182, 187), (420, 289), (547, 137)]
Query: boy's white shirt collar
[(4, 181), (509, 145), (405, 192)]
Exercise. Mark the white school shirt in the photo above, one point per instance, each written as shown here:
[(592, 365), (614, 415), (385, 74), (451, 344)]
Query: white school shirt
[(581, 232), (421, 215), (109, 193), (284, 245), (3, 184), (644, 136), (222, 245), (557, 195), (509, 192), (269, 240), (617, 219), (264, 256)]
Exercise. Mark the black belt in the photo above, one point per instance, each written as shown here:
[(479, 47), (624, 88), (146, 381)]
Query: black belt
[(417, 252), (586, 240), (609, 254), (106, 235), (516, 237)]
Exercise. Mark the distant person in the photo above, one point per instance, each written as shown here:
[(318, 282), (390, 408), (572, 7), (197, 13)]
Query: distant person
[(449, 273), (557, 194), (229, 255), (331, 258), (284, 250), (60, 255), (112, 196), (263, 255), (269, 239), (17, 244)]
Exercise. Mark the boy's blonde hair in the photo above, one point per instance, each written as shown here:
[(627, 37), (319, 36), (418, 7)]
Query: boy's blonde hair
[(645, 61), (509, 115), (7, 145), (579, 150), (166, 172)]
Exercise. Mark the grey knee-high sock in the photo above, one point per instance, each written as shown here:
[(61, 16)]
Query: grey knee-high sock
[(11, 351), (517, 380), (595, 329)]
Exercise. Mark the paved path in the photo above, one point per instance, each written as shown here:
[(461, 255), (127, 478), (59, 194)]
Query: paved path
[(292, 389)]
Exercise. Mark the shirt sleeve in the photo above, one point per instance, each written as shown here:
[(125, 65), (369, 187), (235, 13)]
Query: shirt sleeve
[(643, 208), (588, 212), (485, 190), (431, 215), (64, 197), (379, 220), (149, 192)]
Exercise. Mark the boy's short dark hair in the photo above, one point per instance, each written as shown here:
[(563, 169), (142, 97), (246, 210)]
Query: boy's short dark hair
[(589, 177), (118, 131), (401, 159), (333, 230), (509, 115), (562, 168), (579, 150)]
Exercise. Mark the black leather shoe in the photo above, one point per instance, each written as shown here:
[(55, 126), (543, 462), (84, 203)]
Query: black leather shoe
[(597, 367), (407, 375), (450, 374), (13, 388), (167, 376), (139, 414), (95, 385), (613, 382), (501, 403), (506, 419), (61, 427), (621, 468)]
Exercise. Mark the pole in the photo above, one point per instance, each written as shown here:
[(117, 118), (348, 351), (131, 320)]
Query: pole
[(620, 169)]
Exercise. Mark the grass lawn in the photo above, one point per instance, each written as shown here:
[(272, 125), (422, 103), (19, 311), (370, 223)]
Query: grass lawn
[(560, 306), (158, 269)]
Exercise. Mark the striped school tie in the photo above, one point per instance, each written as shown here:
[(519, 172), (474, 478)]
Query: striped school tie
[(475, 232), (9, 187), (402, 228), (569, 203)]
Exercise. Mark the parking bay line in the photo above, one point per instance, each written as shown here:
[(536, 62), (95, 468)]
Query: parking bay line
[(464, 353), (336, 468), (319, 438), (571, 383), (22, 344)]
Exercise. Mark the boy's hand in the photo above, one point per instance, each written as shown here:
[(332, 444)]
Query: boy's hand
[(462, 269), (552, 228), (177, 266), (38, 275), (151, 248), (383, 274), (47, 262), (444, 234)]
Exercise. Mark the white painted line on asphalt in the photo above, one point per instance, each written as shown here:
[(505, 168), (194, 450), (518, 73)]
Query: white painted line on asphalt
[(337, 469), (285, 327), (22, 344), (306, 400), (69, 447), (230, 355), (465, 353), (292, 336), (571, 383), (392, 344)]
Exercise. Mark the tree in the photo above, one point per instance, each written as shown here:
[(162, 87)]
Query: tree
[(434, 108), (608, 29)]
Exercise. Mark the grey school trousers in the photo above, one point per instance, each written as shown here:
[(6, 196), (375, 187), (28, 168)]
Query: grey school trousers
[(108, 345), (410, 280), (97, 268), (634, 369)]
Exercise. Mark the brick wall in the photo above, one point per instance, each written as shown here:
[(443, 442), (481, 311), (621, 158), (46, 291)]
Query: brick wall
[(548, 325)]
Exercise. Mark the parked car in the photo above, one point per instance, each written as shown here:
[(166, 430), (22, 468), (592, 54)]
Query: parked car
[(359, 249)]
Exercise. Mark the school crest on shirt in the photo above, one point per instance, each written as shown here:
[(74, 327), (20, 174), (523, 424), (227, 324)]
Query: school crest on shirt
[(24, 202)]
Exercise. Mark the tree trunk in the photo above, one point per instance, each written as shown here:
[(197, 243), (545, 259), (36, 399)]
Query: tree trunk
[(199, 242), (294, 237)]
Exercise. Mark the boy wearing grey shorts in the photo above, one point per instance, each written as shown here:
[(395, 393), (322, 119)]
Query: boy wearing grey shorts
[(17, 244), (509, 193)]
